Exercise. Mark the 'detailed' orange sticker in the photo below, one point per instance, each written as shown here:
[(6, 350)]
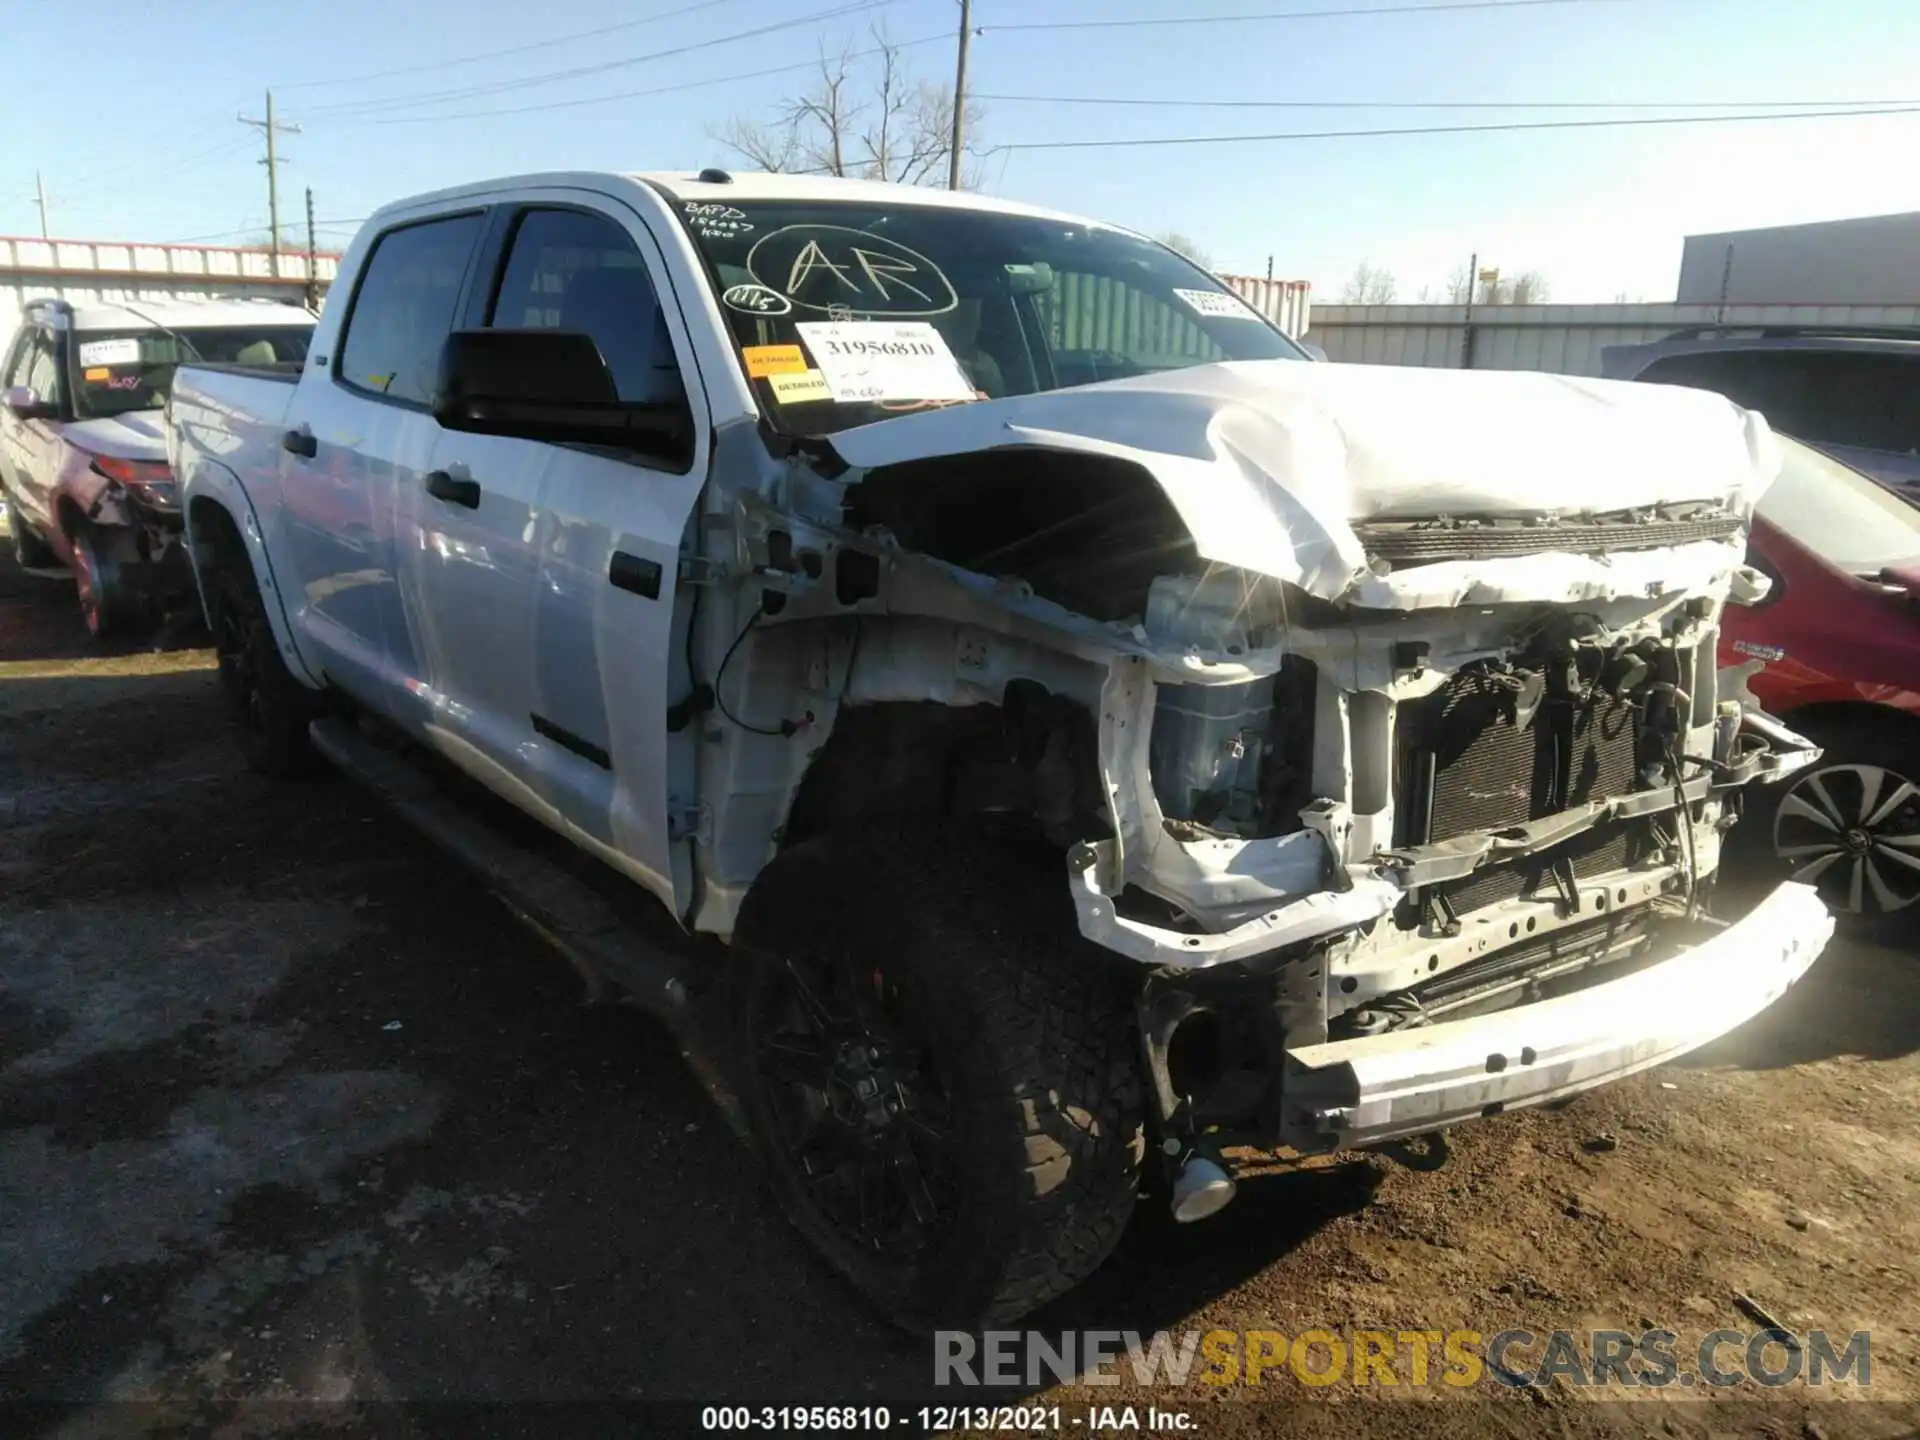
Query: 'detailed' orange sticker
[(765, 360), (99, 373)]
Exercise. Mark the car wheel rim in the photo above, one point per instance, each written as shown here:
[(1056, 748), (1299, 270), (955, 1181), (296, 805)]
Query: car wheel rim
[(860, 1118), (1853, 831)]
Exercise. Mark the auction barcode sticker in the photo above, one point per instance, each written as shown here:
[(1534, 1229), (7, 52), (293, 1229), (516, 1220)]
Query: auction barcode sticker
[(1217, 303), (109, 352), (867, 360)]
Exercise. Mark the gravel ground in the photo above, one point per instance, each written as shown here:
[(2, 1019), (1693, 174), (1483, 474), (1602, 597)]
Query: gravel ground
[(289, 1112)]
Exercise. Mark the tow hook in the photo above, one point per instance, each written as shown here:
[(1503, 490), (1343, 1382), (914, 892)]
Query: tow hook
[(1201, 1185)]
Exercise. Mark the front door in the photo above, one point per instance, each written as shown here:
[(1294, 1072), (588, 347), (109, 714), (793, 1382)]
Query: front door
[(542, 591), (33, 446)]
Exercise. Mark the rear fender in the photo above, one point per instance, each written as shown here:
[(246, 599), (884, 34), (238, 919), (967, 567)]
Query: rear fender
[(210, 486)]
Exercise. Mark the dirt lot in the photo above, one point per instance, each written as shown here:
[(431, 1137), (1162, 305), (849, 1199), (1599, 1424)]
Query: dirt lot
[(288, 1110)]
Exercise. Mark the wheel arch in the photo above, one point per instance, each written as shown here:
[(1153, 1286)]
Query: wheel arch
[(216, 533), (1830, 716)]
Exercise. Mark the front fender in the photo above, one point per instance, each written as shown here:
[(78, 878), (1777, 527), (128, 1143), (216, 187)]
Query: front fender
[(209, 483)]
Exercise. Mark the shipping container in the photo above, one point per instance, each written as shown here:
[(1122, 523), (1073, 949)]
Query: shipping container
[(85, 271), (1562, 339), (1288, 303)]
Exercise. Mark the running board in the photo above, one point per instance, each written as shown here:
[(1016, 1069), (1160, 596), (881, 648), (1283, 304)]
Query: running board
[(561, 909)]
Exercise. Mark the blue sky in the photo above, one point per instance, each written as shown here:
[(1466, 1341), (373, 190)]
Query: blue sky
[(129, 110)]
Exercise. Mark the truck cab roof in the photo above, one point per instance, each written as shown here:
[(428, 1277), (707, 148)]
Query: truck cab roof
[(738, 186), (174, 314)]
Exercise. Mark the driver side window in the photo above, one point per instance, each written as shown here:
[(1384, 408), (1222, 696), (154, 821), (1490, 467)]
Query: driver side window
[(13, 371), (570, 270)]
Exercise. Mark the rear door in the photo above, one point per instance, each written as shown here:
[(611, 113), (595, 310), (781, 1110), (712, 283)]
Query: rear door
[(543, 599), (371, 438)]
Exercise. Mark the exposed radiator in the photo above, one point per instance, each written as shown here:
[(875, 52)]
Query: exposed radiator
[(1467, 764)]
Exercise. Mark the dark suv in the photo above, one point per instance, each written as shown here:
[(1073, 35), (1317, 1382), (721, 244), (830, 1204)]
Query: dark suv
[(1853, 394)]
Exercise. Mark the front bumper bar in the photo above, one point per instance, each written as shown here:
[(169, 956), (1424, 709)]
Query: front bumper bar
[(1408, 1082)]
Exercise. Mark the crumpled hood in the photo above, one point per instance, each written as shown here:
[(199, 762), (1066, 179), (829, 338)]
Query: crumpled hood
[(136, 435), (1270, 463)]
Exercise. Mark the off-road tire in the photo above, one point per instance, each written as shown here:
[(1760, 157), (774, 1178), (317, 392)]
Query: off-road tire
[(30, 552), (1031, 1026), (268, 709), (1851, 744)]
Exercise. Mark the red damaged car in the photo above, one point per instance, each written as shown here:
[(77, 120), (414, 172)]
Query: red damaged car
[(1834, 651)]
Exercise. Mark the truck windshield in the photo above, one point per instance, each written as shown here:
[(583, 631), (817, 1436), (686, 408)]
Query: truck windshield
[(118, 371), (1839, 514), (846, 313)]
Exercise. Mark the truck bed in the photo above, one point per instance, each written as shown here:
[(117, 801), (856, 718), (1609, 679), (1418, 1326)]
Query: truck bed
[(230, 415)]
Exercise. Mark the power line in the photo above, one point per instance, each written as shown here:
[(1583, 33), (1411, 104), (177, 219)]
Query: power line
[(118, 162), (93, 183), (365, 107), (1455, 129), (512, 50), (656, 90), (1147, 20), (1428, 104), (215, 235)]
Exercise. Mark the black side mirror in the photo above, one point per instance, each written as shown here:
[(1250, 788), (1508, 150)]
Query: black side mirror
[(548, 385)]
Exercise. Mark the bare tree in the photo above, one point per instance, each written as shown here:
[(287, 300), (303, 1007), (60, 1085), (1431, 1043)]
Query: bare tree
[(1530, 287), (1185, 245), (1370, 284), (870, 122)]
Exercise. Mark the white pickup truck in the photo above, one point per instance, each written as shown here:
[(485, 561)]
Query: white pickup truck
[(1109, 740)]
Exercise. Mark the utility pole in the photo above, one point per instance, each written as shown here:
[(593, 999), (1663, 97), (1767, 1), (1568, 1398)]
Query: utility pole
[(271, 127), (313, 259), (1466, 324), (40, 199), (960, 96)]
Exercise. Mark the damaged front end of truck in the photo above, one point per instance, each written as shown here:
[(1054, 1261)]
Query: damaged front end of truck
[(1377, 723)]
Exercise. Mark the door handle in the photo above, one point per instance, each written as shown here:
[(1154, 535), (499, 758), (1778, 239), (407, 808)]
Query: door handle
[(301, 443), (443, 486), (635, 573)]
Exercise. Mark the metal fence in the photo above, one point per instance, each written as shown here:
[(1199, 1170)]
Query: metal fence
[(1563, 339)]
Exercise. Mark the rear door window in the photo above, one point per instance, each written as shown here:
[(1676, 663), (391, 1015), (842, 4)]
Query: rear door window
[(404, 308), (1860, 398)]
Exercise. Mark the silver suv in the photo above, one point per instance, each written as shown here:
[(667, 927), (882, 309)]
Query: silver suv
[(83, 444)]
